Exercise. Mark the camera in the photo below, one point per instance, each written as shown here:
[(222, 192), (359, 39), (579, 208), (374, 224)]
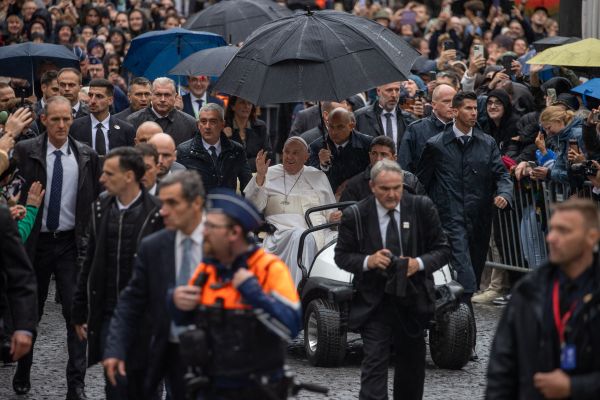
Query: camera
[(584, 169)]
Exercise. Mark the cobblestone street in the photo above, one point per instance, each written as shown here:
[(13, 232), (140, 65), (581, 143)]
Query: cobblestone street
[(48, 376)]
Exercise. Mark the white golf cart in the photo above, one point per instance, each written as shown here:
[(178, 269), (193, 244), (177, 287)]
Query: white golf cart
[(326, 291)]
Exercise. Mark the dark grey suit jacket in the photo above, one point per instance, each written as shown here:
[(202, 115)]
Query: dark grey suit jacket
[(305, 120), (178, 124)]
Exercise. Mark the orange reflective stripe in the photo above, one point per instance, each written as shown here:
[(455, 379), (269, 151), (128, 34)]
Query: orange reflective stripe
[(272, 274)]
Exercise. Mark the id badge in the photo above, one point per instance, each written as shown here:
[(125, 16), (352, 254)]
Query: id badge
[(568, 357)]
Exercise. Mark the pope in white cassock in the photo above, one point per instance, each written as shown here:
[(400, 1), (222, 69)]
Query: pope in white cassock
[(283, 193)]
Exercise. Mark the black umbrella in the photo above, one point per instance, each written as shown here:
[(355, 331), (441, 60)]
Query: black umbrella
[(546, 43), (23, 60), (235, 20), (323, 55), (210, 62)]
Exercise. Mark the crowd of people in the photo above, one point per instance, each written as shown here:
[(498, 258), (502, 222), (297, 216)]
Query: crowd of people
[(117, 187)]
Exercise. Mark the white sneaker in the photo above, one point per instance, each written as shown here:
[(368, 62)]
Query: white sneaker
[(485, 297)]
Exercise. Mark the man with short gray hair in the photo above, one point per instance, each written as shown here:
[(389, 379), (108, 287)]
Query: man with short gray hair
[(392, 242), (220, 161), (162, 110)]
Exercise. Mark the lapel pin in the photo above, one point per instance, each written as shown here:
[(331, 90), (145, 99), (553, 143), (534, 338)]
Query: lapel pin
[(405, 225), (117, 127)]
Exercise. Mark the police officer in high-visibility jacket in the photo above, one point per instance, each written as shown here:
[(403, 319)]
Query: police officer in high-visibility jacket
[(243, 303)]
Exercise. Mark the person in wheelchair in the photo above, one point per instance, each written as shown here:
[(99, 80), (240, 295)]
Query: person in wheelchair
[(283, 193)]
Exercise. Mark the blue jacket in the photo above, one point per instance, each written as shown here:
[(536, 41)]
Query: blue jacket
[(559, 172)]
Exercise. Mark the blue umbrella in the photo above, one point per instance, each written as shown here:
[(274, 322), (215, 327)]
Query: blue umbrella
[(153, 54), (23, 60), (589, 89)]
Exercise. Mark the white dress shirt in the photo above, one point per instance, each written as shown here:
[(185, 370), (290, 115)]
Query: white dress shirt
[(105, 128), (384, 219), (217, 146), (458, 133), (394, 124), (195, 104), (68, 197)]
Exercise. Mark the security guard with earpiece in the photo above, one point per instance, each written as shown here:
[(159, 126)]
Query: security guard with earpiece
[(242, 305)]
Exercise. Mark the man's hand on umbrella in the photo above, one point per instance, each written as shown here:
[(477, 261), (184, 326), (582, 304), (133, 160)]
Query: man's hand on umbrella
[(325, 157), (18, 121)]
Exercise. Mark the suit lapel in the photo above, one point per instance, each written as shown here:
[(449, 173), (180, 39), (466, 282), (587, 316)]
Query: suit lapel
[(112, 133), (378, 125), (407, 224), (168, 259), (373, 225)]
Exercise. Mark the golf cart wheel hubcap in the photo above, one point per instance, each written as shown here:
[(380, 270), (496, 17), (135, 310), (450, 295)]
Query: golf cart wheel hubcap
[(313, 332)]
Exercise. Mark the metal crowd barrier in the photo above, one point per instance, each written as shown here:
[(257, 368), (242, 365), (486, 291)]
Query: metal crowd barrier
[(519, 235)]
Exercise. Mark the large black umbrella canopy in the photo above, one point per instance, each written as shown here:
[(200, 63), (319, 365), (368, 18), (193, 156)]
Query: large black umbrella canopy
[(210, 62), (323, 55), (23, 60), (235, 20)]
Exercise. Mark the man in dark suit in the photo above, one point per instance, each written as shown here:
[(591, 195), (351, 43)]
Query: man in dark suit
[(123, 215), (305, 120), (198, 95), (385, 117), (345, 152), (178, 124), (17, 281), (220, 161), (162, 263), (69, 85), (382, 148), (100, 130), (140, 90), (57, 242), (49, 87), (392, 242)]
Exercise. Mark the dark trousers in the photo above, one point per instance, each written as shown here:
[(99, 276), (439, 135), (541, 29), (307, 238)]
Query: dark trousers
[(378, 334), (58, 255), (130, 386), (174, 372)]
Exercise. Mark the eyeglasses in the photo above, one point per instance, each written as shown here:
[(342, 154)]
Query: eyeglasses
[(495, 103), (210, 225)]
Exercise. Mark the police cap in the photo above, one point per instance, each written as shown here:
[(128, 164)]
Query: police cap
[(226, 201)]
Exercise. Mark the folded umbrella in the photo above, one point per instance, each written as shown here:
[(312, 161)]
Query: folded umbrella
[(322, 55), (235, 20), (584, 53), (153, 54), (210, 62), (24, 60)]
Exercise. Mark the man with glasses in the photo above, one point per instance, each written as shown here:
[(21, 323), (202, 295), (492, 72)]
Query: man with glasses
[(162, 110), (382, 148)]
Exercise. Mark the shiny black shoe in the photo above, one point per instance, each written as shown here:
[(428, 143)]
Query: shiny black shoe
[(21, 383), (76, 394)]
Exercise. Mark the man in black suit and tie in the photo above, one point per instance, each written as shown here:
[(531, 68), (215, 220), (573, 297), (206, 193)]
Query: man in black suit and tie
[(385, 117), (392, 242), (345, 152), (69, 170), (69, 85), (198, 95), (162, 263), (99, 129), (49, 87)]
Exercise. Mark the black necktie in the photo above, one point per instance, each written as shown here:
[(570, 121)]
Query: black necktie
[(389, 130), (213, 153), (74, 111), (53, 214), (339, 150), (100, 141), (199, 101), (392, 237), (465, 139)]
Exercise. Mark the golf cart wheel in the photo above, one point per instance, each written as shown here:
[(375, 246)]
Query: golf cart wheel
[(324, 338), (452, 337)]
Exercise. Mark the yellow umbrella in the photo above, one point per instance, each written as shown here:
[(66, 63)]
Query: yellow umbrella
[(585, 53)]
